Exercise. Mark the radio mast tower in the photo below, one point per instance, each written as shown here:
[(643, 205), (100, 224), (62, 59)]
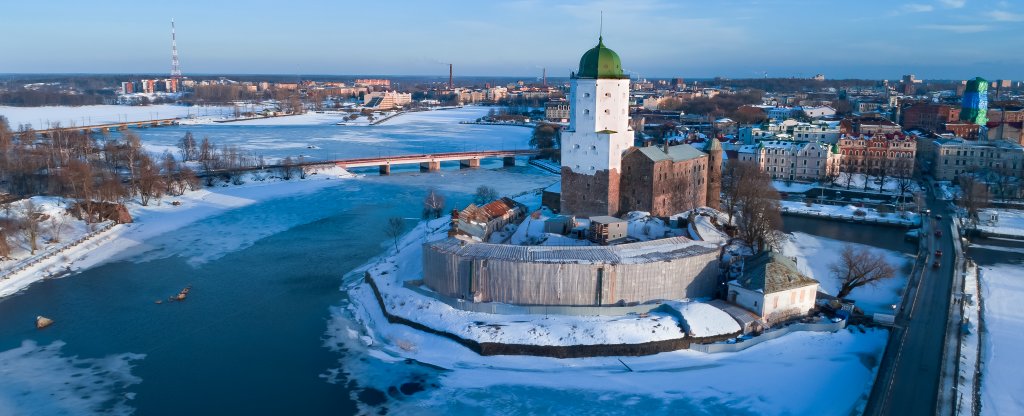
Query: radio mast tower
[(175, 65)]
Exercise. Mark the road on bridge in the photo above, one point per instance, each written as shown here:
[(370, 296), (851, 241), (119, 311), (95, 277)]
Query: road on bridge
[(908, 378)]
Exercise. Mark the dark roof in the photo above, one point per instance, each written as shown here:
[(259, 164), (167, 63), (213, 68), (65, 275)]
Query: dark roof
[(771, 272)]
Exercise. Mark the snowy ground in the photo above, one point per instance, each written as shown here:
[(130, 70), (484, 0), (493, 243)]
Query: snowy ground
[(88, 115), (1002, 289), (161, 217), (1010, 222), (857, 183), (684, 381), (57, 229), (871, 214), (793, 187), (816, 254)]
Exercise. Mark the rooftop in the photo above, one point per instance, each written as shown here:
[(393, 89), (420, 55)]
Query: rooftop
[(633, 253), (771, 272), (675, 153)]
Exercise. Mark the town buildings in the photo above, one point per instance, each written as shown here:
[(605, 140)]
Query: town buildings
[(879, 154), (957, 156), (930, 117), (557, 111), (792, 160), (386, 100)]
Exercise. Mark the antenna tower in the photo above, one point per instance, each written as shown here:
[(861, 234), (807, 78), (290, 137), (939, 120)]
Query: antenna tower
[(175, 65)]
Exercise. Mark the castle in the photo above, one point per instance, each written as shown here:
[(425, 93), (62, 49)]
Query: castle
[(603, 174)]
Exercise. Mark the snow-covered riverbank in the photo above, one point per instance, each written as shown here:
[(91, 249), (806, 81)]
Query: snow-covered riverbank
[(162, 217)]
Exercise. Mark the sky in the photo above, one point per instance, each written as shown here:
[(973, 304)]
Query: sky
[(879, 39)]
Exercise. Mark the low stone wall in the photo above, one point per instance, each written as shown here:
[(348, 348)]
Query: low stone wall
[(555, 351)]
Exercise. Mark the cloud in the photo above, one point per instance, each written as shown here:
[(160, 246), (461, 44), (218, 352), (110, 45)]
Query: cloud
[(1004, 16), (958, 28), (956, 4)]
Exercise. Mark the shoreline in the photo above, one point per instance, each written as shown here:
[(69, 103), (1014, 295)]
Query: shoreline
[(162, 218)]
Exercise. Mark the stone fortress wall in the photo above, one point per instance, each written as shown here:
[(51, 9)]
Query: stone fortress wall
[(625, 274)]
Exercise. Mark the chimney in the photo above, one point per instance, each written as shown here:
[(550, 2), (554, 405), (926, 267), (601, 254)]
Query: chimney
[(544, 76), (450, 72), (666, 145)]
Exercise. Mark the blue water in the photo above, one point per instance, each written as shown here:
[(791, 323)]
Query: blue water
[(250, 337)]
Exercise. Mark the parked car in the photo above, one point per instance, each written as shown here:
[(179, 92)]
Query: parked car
[(938, 253), (938, 217), (935, 264), (938, 233)]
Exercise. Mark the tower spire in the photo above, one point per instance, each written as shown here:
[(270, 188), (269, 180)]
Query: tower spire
[(600, 31), (175, 65)]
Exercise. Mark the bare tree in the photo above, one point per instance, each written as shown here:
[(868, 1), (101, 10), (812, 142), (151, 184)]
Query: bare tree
[(904, 174), (5, 246), (847, 169), (187, 147), (484, 194), (734, 181), (57, 223), (394, 229), (973, 197), (32, 216), (433, 204), (287, 168), (149, 183), (859, 266), (759, 215)]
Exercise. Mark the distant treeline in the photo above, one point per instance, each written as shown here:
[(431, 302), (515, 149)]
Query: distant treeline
[(33, 98)]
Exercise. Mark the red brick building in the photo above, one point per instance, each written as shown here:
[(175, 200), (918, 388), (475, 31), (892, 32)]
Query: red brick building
[(930, 117), (663, 181), (890, 154)]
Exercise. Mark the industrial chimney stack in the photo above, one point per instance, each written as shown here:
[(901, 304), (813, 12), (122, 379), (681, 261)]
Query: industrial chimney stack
[(451, 86)]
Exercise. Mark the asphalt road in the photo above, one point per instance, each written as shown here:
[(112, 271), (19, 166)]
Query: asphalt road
[(912, 360)]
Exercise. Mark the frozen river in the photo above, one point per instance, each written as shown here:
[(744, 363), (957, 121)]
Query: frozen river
[(250, 337)]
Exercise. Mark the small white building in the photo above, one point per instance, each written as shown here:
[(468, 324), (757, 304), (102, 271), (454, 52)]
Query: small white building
[(771, 287)]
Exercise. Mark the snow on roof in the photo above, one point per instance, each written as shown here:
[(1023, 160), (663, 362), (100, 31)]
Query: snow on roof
[(771, 272), (675, 153), (604, 219), (634, 253)]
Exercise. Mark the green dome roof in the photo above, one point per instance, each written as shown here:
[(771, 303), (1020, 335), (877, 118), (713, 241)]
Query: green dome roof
[(600, 62)]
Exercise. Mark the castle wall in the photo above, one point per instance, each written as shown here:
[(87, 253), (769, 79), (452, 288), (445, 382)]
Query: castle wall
[(526, 281), (662, 188), (590, 195)]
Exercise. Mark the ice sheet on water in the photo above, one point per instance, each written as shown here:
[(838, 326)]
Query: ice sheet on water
[(42, 380)]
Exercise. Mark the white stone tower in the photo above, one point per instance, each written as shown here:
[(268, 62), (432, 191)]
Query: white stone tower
[(598, 134)]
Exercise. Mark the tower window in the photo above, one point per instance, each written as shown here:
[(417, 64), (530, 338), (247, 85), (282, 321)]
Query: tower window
[(586, 94), (607, 94), (587, 112)]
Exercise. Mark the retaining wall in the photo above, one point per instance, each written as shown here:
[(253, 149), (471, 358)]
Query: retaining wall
[(770, 335), (556, 351)]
